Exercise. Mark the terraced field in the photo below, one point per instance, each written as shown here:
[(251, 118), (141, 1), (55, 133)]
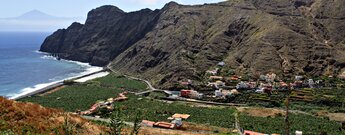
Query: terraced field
[(82, 96)]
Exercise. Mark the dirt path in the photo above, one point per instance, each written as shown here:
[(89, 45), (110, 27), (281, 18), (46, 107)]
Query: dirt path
[(52, 91)]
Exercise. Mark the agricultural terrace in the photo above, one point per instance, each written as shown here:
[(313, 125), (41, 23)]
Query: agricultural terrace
[(155, 110), (309, 100), (82, 96), (310, 125)]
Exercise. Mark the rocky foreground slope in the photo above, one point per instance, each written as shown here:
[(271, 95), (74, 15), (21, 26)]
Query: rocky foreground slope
[(28, 118), (181, 42)]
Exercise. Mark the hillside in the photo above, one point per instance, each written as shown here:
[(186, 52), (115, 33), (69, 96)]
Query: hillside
[(29, 118), (181, 42)]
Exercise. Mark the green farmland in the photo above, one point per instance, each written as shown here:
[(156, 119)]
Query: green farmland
[(82, 96), (310, 125)]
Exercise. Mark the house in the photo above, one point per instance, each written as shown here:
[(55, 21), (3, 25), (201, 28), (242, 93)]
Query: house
[(234, 92), (267, 88), (188, 82), (195, 95), (216, 84), (234, 78), (216, 78), (270, 77), (242, 86), (164, 125), (147, 123), (191, 94), (220, 83), (218, 93), (185, 93), (283, 85), (298, 133), (247, 132), (252, 85), (311, 83), (299, 78), (183, 116), (212, 72), (177, 122)]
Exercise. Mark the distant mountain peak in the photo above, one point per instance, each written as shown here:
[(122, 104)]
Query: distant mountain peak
[(36, 14)]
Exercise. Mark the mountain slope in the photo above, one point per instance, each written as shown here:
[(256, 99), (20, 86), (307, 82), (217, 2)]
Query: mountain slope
[(181, 42), (29, 118)]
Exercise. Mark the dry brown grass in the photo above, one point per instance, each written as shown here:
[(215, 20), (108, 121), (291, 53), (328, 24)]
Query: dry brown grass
[(261, 112), (22, 118)]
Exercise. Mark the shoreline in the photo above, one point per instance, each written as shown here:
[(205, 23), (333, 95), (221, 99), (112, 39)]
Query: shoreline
[(91, 73), (60, 83)]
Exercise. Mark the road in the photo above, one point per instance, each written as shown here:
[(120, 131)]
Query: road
[(104, 120), (149, 85)]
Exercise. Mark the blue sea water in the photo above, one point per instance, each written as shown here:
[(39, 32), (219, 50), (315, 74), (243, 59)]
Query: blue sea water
[(23, 69)]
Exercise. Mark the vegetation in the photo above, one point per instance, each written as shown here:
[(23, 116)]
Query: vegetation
[(306, 99), (27, 118), (116, 122), (155, 110), (82, 96), (306, 123), (137, 122)]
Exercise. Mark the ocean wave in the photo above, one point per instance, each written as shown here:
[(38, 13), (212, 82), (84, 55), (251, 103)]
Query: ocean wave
[(47, 57), (30, 90), (50, 57), (88, 69)]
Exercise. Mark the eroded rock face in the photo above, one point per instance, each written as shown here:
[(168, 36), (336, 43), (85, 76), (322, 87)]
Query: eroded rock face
[(181, 42), (107, 32)]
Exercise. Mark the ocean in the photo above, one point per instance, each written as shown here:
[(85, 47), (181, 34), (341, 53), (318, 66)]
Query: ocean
[(24, 69)]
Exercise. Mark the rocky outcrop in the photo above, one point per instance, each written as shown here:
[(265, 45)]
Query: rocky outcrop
[(181, 42), (107, 32)]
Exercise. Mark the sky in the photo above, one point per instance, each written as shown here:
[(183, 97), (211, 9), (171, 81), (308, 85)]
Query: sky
[(80, 8)]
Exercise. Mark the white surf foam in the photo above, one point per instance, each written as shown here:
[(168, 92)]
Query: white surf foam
[(88, 70), (91, 77), (30, 89)]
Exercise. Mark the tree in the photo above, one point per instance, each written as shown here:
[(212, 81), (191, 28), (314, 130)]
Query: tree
[(287, 123), (116, 122), (137, 121)]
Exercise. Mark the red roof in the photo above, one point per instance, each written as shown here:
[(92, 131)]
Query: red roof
[(247, 132)]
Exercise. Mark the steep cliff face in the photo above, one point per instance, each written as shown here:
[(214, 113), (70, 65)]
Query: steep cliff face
[(182, 42), (107, 32)]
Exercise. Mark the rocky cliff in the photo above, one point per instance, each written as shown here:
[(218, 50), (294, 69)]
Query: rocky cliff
[(181, 42)]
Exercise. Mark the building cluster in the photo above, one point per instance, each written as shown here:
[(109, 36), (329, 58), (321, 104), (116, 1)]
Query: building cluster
[(108, 104), (226, 86), (175, 122)]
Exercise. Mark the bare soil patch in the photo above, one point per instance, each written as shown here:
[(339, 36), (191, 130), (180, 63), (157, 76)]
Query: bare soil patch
[(261, 112)]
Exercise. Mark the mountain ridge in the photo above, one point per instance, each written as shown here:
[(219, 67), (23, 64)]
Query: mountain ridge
[(181, 42)]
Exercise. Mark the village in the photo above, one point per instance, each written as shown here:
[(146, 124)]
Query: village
[(218, 89)]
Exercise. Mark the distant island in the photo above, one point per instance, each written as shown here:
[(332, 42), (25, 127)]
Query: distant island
[(36, 21)]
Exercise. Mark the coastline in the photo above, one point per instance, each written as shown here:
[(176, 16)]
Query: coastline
[(91, 73), (86, 77)]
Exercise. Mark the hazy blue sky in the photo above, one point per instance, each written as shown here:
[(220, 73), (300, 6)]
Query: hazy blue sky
[(79, 8)]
